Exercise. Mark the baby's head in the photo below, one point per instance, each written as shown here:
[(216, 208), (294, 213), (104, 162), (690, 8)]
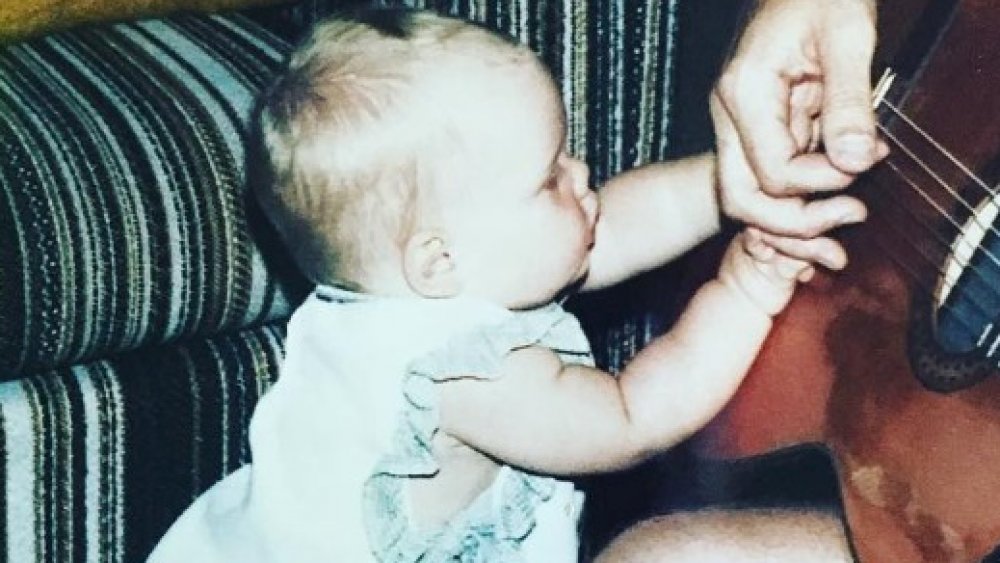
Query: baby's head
[(415, 154)]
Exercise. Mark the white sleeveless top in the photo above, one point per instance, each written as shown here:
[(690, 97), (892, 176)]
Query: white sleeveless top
[(351, 418)]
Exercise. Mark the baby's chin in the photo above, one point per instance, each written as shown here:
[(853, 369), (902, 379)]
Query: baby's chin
[(559, 294), (575, 284), (581, 276)]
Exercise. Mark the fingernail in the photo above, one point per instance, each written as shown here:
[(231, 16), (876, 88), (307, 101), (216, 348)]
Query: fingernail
[(832, 261), (807, 274), (848, 219), (855, 214), (855, 217), (853, 151)]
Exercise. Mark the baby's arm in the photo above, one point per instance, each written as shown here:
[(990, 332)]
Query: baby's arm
[(651, 215), (566, 419), (654, 213)]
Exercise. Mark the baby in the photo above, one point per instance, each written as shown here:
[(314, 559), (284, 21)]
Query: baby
[(435, 397)]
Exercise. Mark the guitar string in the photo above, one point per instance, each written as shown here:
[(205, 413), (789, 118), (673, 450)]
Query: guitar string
[(935, 264), (928, 261), (936, 234), (977, 331), (924, 285), (918, 279), (939, 238), (932, 261), (944, 213), (974, 217), (940, 148), (880, 98)]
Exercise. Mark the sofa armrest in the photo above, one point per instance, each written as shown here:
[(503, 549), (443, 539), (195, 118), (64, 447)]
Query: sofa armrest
[(26, 18), (122, 189)]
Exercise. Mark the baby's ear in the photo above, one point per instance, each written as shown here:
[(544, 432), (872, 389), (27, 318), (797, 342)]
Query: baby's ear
[(428, 265)]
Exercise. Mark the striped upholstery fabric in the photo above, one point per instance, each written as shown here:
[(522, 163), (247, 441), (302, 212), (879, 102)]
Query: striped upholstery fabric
[(121, 191), (99, 459), (125, 245)]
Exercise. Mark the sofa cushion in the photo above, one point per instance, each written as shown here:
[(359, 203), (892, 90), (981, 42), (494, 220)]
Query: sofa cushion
[(122, 209), (99, 459)]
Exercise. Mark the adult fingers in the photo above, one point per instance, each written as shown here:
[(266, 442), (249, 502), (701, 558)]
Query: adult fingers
[(796, 217), (846, 45), (807, 171), (770, 127), (820, 250), (737, 183), (755, 97), (741, 198), (740, 195), (813, 172), (779, 265), (804, 105)]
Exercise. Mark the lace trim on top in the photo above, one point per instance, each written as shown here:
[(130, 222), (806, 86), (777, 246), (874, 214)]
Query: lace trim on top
[(483, 531)]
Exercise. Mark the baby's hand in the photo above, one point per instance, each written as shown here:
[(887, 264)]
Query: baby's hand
[(755, 269)]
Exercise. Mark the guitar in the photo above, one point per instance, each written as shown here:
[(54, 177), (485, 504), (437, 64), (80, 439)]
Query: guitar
[(892, 364)]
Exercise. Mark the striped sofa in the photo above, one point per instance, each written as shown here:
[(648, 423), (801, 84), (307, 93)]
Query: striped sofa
[(143, 299)]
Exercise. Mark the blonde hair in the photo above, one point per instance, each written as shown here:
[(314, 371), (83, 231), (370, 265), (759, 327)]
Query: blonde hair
[(353, 134)]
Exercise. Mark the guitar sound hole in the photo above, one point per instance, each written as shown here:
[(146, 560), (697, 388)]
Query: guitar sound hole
[(967, 298)]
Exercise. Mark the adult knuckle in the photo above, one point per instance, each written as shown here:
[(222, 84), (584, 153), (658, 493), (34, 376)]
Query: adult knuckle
[(810, 227), (727, 87), (732, 203), (772, 181)]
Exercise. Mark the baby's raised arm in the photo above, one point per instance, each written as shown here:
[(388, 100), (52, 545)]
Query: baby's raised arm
[(652, 214), (553, 418)]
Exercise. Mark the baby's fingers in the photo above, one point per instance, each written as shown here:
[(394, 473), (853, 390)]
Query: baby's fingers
[(753, 241), (807, 273), (762, 273), (776, 261), (786, 268)]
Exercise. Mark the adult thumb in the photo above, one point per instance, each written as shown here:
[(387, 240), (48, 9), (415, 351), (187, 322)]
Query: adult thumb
[(846, 46)]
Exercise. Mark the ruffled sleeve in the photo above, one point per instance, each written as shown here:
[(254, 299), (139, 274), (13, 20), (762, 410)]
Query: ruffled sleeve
[(482, 531)]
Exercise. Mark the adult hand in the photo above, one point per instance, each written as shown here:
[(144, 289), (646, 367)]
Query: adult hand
[(799, 80)]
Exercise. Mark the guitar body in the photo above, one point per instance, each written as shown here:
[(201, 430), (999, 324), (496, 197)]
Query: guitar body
[(892, 363)]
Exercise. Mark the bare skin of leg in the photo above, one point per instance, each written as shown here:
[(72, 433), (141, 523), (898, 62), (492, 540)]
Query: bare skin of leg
[(733, 536)]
